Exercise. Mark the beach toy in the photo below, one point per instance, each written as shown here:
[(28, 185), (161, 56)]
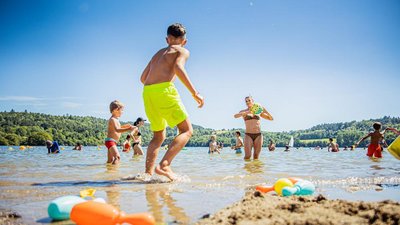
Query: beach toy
[(60, 208), (294, 179), (266, 189), (62, 148), (280, 184), (87, 193), (22, 147), (302, 187), (394, 148), (104, 214), (256, 109)]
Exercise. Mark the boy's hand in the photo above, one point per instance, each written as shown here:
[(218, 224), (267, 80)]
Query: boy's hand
[(199, 99)]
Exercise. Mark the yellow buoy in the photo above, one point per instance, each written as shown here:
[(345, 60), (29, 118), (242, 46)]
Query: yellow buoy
[(22, 147), (394, 148), (280, 184)]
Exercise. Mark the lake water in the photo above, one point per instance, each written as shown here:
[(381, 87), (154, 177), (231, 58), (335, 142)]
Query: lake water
[(30, 179)]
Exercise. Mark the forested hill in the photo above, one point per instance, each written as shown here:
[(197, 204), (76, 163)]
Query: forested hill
[(25, 128)]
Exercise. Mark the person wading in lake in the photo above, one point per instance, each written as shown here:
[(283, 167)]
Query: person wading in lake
[(253, 137)]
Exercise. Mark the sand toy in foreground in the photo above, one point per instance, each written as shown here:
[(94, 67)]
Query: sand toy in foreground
[(104, 214), (289, 186)]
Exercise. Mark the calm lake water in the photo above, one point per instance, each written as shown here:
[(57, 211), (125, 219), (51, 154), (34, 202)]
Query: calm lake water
[(30, 179)]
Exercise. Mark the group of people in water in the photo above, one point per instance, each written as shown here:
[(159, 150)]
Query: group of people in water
[(164, 107)]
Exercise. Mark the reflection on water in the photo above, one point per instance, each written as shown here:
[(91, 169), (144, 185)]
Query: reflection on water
[(112, 168), (159, 196), (30, 179), (254, 166), (113, 195)]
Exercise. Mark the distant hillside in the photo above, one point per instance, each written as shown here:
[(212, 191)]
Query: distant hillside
[(25, 128)]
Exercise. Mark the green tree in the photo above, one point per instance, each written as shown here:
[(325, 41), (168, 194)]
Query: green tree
[(13, 139), (3, 140), (38, 138)]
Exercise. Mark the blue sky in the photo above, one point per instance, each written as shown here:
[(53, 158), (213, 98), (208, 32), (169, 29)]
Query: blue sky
[(307, 62)]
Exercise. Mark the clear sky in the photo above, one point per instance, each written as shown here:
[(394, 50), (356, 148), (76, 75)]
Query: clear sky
[(307, 62)]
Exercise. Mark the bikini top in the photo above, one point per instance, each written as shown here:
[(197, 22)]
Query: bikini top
[(255, 117)]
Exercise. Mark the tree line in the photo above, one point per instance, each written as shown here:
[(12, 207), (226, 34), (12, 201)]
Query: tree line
[(26, 128)]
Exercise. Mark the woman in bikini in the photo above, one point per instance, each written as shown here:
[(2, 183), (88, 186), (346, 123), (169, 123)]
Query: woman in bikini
[(253, 137), (137, 138)]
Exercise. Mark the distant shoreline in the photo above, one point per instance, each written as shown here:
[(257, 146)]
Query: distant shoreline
[(25, 128)]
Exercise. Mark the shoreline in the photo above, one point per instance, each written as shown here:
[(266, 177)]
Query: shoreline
[(258, 208)]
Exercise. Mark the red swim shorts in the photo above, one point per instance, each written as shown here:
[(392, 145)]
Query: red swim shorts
[(374, 150), (109, 144)]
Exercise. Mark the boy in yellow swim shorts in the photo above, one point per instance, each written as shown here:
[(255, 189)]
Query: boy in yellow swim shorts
[(162, 101)]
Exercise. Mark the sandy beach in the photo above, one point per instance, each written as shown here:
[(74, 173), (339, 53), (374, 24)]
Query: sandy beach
[(259, 208), (9, 217)]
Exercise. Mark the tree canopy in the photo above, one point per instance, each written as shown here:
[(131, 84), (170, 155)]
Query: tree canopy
[(25, 128)]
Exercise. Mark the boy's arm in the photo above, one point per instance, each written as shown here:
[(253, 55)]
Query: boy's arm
[(145, 73), (180, 71), (394, 130), (362, 139), (120, 129), (266, 115)]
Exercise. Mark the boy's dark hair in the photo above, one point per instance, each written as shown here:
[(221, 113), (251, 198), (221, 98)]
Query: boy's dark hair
[(238, 133), (177, 30), (330, 139), (128, 136), (377, 126)]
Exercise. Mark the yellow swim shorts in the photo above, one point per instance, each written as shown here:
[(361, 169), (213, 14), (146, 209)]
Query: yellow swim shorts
[(163, 106)]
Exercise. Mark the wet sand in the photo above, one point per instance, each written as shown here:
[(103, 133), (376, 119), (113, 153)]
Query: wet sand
[(9, 217), (258, 208)]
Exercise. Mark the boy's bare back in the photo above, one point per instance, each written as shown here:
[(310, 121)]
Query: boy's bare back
[(376, 137), (161, 67)]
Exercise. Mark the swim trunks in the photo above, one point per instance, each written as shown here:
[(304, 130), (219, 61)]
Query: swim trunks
[(374, 150), (109, 142), (163, 106), (238, 150)]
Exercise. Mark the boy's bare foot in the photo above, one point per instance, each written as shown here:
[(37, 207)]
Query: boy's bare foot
[(165, 171)]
